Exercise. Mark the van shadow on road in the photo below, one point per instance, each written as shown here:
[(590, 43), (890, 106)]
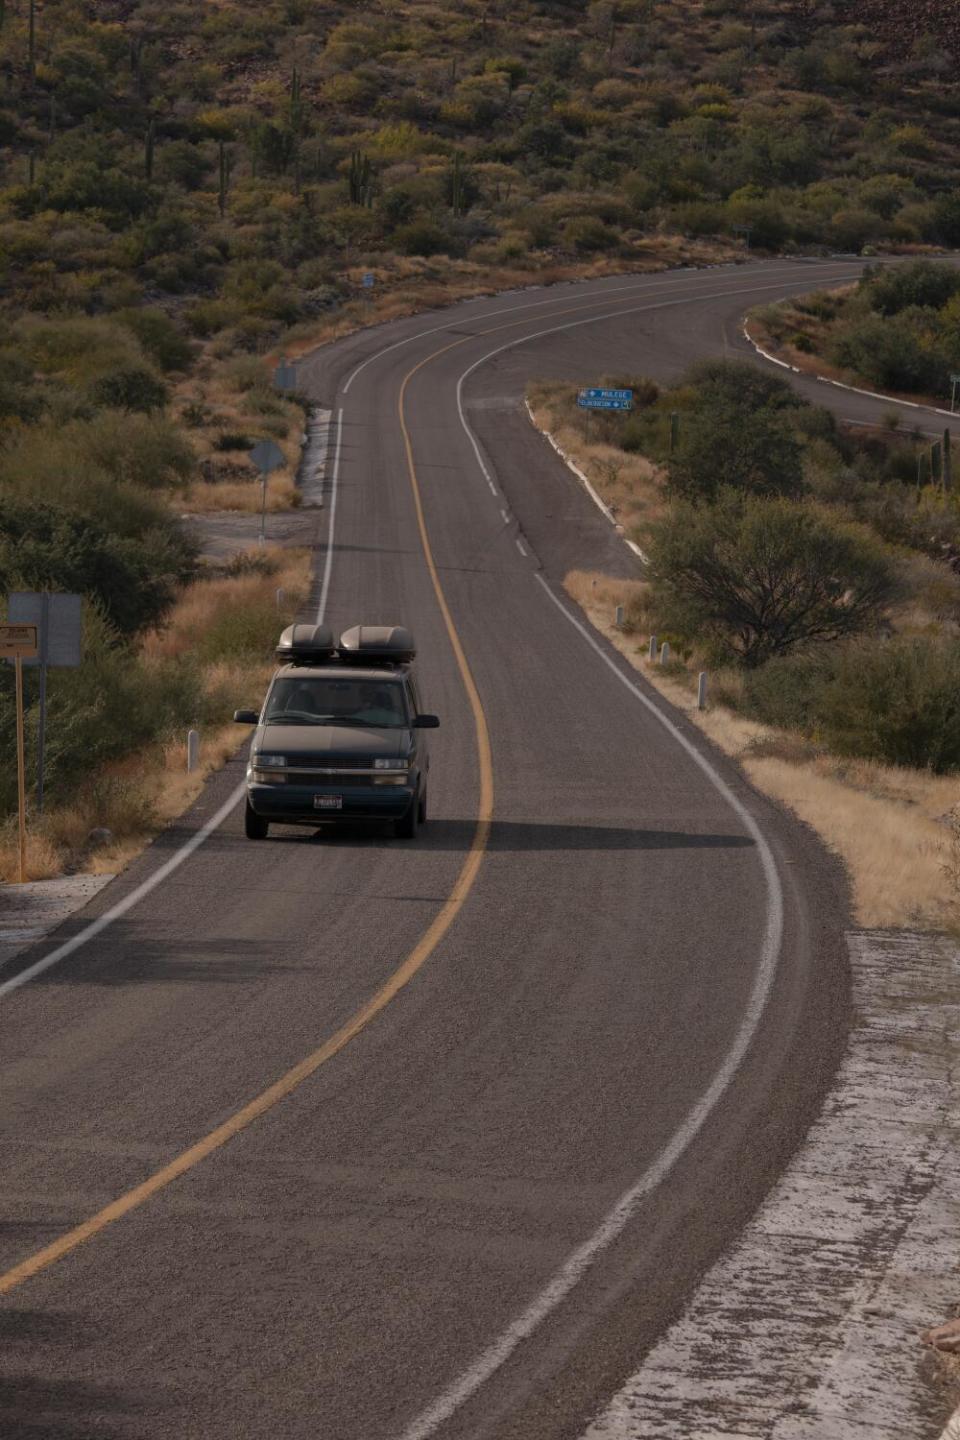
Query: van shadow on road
[(517, 835)]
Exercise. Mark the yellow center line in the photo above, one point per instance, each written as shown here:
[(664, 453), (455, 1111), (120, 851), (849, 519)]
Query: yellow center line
[(405, 972), (294, 1078)]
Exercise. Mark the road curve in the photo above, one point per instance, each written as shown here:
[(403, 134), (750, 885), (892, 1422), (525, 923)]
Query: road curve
[(472, 1216)]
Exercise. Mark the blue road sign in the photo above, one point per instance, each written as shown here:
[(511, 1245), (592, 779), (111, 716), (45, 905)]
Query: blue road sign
[(369, 281), (605, 399)]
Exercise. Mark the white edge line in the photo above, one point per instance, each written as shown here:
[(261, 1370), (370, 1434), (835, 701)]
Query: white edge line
[(520, 547), (127, 903), (617, 1219), (328, 561), (615, 1222), (641, 279), (597, 499), (89, 932), (839, 384)]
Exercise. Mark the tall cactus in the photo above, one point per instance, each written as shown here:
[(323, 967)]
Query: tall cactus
[(947, 462), (457, 186), (936, 462), (148, 148), (360, 179), (224, 177)]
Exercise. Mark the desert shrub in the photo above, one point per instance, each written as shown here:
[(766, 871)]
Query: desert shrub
[(723, 445), (423, 237), (901, 287), (159, 336), (897, 701), (757, 578), (891, 351), (135, 389), (131, 578)]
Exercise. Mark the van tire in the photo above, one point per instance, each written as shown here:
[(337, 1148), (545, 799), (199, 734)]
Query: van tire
[(254, 825), (406, 827)]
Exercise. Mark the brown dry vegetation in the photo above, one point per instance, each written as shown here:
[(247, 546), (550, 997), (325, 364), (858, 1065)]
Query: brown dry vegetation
[(630, 485), (135, 797), (889, 825)]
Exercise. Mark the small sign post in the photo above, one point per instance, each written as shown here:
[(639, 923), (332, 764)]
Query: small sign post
[(19, 643), (266, 456), (954, 382), (285, 375), (59, 631), (605, 399)]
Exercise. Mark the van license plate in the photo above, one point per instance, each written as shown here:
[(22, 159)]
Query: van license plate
[(328, 802)]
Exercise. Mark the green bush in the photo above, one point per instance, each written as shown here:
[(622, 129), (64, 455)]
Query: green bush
[(132, 579), (757, 578), (897, 701), (920, 283)]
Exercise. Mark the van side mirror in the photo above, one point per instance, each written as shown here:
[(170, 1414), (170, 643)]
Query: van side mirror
[(246, 717), (426, 722)]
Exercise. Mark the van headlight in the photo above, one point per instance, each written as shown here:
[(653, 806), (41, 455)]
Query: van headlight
[(269, 762), (391, 765)]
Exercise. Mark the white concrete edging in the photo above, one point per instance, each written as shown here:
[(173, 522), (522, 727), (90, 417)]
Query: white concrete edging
[(575, 470), (839, 385), (952, 1431)]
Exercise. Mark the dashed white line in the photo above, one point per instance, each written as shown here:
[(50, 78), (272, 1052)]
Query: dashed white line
[(328, 562), (96, 927), (520, 547), (504, 517), (615, 1222)]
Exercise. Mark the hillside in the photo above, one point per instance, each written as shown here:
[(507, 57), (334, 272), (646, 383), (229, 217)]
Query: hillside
[(235, 163)]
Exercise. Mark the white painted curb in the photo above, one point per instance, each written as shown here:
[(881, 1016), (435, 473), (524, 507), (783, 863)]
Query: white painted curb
[(575, 469), (855, 390)]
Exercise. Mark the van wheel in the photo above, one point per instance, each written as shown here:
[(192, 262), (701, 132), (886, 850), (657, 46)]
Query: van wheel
[(422, 813), (406, 828), (254, 825)]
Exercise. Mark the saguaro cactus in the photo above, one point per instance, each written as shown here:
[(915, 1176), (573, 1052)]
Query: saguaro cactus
[(224, 176), (360, 179), (148, 148)]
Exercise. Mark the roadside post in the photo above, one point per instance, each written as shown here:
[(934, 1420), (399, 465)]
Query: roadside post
[(619, 617), (652, 653), (19, 643), (267, 456), (193, 751), (954, 386), (702, 690), (58, 620), (368, 282)]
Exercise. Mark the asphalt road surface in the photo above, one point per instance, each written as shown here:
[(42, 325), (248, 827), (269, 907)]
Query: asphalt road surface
[(607, 980)]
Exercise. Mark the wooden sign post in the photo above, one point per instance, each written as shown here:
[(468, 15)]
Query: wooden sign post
[(19, 643)]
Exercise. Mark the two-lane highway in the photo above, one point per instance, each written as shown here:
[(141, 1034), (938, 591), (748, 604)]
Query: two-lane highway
[(600, 1022)]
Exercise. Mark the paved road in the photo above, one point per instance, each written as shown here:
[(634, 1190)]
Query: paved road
[(472, 1218)]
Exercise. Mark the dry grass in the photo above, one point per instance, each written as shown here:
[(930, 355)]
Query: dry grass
[(206, 497), (408, 285), (137, 796), (889, 825), (631, 485)]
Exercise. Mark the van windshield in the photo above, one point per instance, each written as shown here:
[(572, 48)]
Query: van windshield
[(314, 701)]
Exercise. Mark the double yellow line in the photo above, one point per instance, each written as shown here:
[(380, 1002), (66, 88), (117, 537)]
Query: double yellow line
[(294, 1078)]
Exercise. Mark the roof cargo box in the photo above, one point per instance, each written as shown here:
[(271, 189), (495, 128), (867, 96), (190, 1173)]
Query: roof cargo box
[(306, 645), (377, 645)]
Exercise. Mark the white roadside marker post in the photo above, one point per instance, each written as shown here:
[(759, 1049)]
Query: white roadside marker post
[(664, 652), (193, 750), (653, 648), (702, 690), (619, 617), (280, 598)]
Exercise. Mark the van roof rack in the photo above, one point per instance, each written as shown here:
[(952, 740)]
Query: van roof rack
[(306, 645), (377, 645), (360, 645)]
